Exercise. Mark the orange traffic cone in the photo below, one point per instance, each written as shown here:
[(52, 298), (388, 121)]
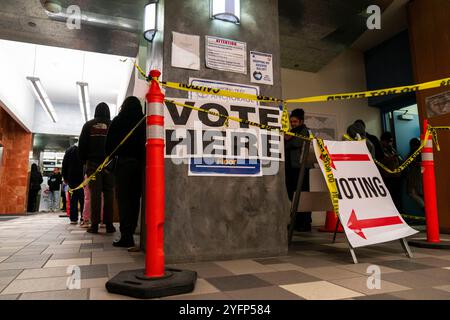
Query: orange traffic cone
[(330, 223)]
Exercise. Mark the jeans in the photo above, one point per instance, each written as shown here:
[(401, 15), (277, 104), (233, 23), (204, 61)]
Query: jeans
[(53, 197)]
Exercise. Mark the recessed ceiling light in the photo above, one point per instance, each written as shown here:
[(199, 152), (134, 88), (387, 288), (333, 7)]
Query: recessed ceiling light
[(53, 6)]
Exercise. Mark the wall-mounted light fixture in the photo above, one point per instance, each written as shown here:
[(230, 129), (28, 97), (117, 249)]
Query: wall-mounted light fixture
[(83, 98), (226, 10), (150, 20), (42, 97)]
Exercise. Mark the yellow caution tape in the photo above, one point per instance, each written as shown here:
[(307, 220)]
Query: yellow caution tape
[(244, 121), (330, 180), (285, 118), (322, 98), (374, 93), (413, 217), (405, 163), (106, 161)]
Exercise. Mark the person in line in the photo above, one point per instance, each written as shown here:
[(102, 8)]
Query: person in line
[(54, 188), (293, 149), (357, 131), (376, 143), (72, 172), (63, 196), (129, 166), (91, 149), (392, 160), (414, 182), (35, 186)]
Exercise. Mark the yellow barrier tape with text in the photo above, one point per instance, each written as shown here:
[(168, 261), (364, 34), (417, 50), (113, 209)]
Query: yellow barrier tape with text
[(330, 180)]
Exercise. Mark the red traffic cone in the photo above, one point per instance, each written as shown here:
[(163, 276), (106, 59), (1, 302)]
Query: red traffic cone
[(330, 223)]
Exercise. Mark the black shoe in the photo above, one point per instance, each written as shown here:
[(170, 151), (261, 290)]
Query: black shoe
[(110, 228), (124, 243), (93, 228)]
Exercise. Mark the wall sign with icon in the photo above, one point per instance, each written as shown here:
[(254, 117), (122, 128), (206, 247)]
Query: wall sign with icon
[(261, 67)]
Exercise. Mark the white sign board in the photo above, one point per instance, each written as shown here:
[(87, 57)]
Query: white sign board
[(261, 67), (226, 55), (366, 209), (193, 134), (229, 86), (185, 51)]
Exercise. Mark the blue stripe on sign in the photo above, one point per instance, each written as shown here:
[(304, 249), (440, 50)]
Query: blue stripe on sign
[(242, 167)]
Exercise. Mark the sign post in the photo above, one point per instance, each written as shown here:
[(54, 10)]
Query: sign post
[(155, 281)]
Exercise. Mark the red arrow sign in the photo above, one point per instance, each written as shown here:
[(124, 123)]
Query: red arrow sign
[(357, 225), (345, 157)]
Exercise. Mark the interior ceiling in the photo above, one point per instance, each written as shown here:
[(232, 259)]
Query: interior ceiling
[(27, 21), (314, 32)]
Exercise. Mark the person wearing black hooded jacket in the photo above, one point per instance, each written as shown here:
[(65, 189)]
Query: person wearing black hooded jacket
[(72, 172), (129, 167), (35, 186), (91, 148)]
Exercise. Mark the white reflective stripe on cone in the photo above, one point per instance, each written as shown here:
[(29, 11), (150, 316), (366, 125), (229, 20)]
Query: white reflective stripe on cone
[(426, 156), (155, 132), (155, 109), (429, 143)]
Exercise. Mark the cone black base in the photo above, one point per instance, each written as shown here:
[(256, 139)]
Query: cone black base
[(133, 283)]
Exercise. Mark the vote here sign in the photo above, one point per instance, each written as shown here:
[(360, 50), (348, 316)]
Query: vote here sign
[(366, 209)]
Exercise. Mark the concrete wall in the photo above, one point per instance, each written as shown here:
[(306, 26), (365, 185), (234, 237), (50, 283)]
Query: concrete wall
[(215, 217), (346, 73)]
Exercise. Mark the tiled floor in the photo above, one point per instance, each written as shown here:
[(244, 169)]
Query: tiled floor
[(37, 252)]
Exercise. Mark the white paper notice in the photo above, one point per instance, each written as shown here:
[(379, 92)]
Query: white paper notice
[(185, 51), (261, 67), (226, 55)]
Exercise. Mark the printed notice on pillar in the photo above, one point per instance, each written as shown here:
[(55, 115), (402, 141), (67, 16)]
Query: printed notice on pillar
[(261, 67), (226, 55), (366, 209)]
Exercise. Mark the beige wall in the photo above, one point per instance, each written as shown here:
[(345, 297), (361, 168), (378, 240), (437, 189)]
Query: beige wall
[(344, 74)]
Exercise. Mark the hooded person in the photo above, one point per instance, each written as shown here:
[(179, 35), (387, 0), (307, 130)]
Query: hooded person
[(129, 166), (92, 152), (35, 186)]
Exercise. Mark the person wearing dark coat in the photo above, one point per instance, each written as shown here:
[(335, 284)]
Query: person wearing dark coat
[(54, 188), (91, 148), (378, 149), (129, 167), (293, 148), (72, 172), (35, 185)]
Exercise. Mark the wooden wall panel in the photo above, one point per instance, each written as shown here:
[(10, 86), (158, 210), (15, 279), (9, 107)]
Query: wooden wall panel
[(429, 29)]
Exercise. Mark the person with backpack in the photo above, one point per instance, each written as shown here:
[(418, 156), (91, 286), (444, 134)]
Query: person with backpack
[(91, 148)]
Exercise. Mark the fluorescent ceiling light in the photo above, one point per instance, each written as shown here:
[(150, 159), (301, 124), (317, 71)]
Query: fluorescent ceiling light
[(226, 10), (150, 21), (83, 98), (41, 95)]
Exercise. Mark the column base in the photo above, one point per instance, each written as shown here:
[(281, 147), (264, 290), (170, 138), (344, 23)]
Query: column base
[(135, 284)]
